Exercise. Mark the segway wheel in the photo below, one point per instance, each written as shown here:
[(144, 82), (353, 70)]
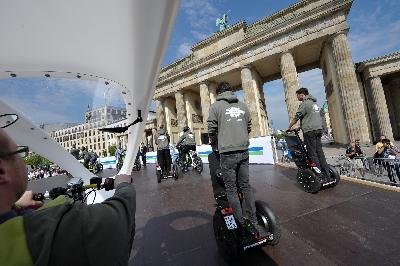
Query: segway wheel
[(227, 242), (199, 164), (308, 180), (267, 219), (334, 174), (158, 172), (100, 167)]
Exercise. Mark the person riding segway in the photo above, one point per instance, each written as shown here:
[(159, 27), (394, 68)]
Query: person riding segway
[(311, 125), (185, 144), (229, 125), (163, 153), (85, 156), (228, 236), (314, 172)]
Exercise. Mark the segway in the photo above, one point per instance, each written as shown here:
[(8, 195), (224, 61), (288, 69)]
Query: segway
[(175, 169), (309, 176), (227, 230)]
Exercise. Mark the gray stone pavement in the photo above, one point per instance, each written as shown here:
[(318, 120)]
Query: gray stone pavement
[(350, 224)]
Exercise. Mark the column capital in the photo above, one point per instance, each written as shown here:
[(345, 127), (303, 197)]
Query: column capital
[(179, 91), (206, 82), (336, 34), (370, 77), (286, 51), (247, 66), (159, 98)]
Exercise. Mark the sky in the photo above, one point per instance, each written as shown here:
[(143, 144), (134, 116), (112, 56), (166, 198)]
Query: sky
[(374, 31)]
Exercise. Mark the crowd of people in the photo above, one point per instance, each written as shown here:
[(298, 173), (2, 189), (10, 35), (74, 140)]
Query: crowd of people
[(45, 172), (385, 156)]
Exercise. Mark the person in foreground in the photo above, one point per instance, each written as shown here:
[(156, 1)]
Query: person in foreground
[(311, 124), (61, 232), (229, 125)]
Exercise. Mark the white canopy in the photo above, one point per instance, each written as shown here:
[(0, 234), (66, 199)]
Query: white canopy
[(119, 41)]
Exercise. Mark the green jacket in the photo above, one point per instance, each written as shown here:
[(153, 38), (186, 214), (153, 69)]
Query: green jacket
[(309, 115), (230, 120), (72, 233)]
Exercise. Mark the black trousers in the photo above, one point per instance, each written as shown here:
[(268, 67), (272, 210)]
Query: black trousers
[(164, 160), (143, 156), (312, 139), (235, 172)]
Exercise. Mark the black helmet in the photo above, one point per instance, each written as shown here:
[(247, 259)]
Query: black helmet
[(185, 128)]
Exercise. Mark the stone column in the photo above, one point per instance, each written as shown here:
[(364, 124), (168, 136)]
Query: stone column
[(186, 99), (381, 109), (254, 99), (290, 82), (353, 108), (160, 113), (212, 88), (154, 135), (180, 109), (205, 102)]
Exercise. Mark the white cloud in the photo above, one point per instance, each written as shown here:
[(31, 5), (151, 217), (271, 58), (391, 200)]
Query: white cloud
[(374, 33), (56, 100), (200, 13), (200, 16), (184, 49)]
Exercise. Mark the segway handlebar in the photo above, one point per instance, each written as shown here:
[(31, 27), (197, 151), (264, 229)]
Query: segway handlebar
[(295, 130), (76, 189)]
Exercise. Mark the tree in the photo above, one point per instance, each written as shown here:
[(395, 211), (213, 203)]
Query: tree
[(112, 149), (36, 160)]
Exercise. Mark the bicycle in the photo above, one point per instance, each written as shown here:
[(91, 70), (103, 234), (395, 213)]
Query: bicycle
[(190, 159), (286, 156), (344, 165), (120, 162)]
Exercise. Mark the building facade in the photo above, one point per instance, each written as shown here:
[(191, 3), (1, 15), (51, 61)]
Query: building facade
[(309, 34), (87, 134)]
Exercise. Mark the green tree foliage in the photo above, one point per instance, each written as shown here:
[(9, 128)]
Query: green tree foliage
[(279, 136), (37, 160), (112, 149)]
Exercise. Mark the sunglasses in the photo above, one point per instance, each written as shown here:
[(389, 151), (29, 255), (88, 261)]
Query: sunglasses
[(22, 151)]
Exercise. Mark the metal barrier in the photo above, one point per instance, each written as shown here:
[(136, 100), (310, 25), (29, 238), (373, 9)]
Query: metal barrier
[(382, 170)]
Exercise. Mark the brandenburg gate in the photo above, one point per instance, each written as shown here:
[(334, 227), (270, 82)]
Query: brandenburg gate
[(307, 35)]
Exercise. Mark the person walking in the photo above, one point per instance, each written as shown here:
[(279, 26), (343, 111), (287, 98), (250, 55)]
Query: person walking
[(143, 150)]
